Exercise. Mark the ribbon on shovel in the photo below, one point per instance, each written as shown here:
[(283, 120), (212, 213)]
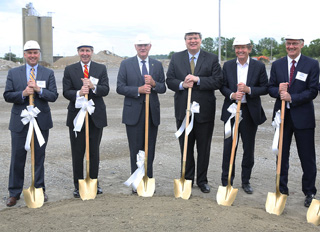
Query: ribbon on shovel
[(137, 176), (194, 108), (276, 125), (85, 105), (232, 109), (28, 116)]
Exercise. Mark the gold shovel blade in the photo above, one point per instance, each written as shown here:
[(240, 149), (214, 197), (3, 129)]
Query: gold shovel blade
[(275, 203), (182, 188), (33, 197), (88, 188), (226, 195), (146, 187), (313, 214)]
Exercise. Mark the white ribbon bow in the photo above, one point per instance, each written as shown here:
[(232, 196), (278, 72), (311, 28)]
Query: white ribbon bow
[(28, 116), (276, 125), (227, 127), (137, 176), (194, 108), (85, 105)]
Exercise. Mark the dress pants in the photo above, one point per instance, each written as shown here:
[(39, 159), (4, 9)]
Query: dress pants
[(306, 152), (247, 131), (78, 149), (18, 160), (136, 137), (201, 135)]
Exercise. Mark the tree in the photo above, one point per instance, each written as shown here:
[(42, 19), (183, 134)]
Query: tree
[(267, 47), (314, 48), (207, 44), (10, 56)]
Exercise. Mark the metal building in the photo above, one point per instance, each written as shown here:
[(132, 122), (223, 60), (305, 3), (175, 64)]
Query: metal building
[(40, 29)]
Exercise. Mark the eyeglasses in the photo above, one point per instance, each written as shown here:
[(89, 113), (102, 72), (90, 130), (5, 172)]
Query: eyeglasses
[(293, 43)]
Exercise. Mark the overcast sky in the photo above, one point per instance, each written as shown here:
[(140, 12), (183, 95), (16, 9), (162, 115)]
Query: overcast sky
[(113, 24)]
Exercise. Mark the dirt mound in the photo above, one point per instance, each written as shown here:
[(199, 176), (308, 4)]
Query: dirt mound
[(105, 57), (6, 65)]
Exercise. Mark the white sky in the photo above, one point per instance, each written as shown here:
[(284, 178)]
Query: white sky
[(113, 24)]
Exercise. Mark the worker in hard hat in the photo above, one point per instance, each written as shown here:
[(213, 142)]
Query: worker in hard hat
[(29, 79), (245, 80)]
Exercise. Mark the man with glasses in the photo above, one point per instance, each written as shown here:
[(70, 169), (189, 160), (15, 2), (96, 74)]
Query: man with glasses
[(294, 79)]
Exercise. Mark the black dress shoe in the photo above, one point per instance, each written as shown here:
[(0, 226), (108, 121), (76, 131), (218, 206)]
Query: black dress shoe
[(134, 191), (99, 190), (205, 188), (45, 196), (76, 193), (308, 200), (247, 188), (11, 201), (285, 192)]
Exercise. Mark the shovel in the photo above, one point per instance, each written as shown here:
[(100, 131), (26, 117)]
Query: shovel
[(33, 197), (276, 201), (313, 214), (227, 194), (182, 187), (147, 185), (88, 187)]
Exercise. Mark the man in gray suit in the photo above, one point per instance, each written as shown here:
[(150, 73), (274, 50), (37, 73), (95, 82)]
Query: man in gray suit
[(134, 84), (19, 87)]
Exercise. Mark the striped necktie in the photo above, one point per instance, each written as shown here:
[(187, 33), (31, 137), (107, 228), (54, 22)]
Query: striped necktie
[(86, 72), (32, 74)]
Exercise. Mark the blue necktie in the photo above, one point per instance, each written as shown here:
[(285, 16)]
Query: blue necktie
[(144, 69)]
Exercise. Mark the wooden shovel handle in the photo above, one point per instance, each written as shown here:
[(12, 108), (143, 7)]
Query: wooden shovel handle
[(87, 134), (146, 135), (280, 138), (185, 147), (31, 103), (234, 141)]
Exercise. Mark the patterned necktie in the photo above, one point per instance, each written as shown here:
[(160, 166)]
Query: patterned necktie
[(293, 67), (32, 74), (192, 65), (144, 69), (86, 72)]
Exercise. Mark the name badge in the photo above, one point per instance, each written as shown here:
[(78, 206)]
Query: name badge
[(301, 76), (94, 80), (41, 84)]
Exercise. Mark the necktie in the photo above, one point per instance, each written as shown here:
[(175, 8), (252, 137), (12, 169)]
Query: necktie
[(192, 65), (144, 69), (293, 67), (86, 72), (32, 74)]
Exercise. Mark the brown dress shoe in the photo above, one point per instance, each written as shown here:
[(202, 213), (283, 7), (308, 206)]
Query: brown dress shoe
[(12, 201)]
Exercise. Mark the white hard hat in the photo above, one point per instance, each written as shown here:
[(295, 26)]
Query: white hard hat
[(142, 39), (241, 41), (30, 45), (293, 37), (85, 44), (192, 31)]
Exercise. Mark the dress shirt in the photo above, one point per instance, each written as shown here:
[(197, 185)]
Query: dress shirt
[(140, 63), (196, 56), (28, 71), (88, 67)]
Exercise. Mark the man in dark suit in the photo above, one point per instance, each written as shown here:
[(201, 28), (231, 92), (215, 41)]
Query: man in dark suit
[(96, 86), (245, 80), (295, 80), (19, 87), (134, 84), (206, 78)]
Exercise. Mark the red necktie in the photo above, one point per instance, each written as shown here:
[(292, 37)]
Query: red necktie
[(293, 67), (86, 72)]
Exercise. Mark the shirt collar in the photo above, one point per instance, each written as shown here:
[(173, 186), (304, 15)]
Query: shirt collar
[(196, 55), (82, 64), (139, 59), (296, 59), (29, 66), (246, 63)]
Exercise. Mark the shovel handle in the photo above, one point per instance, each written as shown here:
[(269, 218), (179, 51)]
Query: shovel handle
[(31, 103), (146, 135), (87, 140), (185, 147), (234, 141), (280, 141)]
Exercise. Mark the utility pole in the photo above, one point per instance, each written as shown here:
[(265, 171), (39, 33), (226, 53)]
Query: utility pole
[(219, 32)]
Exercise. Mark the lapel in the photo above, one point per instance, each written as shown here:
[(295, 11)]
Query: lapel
[(234, 76), (39, 73), (23, 76), (200, 60), (135, 64), (250, 71), (298, 67), (79, 74), (285, 73), (151, 66), (185, 62)]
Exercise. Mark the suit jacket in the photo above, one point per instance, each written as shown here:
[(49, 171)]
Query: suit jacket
[(209, 71), (257, 80), (303, 89), (129, 80), (72, 83), (16, 83)]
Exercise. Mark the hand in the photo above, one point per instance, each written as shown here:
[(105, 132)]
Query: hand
[(33, 84), (189, 81), (283, 87), (149, 80), (87, 82), (84, 90), (145, 89), (285, 96), (243, 88), (27, 91), (237, 96)]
